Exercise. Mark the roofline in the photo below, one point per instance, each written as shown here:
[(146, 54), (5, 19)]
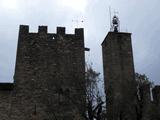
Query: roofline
[(110, 32)]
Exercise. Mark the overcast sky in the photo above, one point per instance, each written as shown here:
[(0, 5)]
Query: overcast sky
[(140, 17)]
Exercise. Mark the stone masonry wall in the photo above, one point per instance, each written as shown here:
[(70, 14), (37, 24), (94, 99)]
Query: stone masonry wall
[(120, 86), (49, 76)]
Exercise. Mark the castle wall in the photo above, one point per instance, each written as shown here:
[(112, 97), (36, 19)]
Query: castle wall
[(5, 100), (49, 81), (49, 75), (120, 87)]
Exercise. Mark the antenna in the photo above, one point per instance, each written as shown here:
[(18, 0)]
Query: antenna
[(77, 22), (110, 18)]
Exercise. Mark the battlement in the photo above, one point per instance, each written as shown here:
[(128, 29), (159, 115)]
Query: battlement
[(61, 30), (49, 68), (44, 29)]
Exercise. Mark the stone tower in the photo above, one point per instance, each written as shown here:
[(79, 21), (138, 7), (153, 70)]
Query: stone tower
[(120, 85), (49, 75)]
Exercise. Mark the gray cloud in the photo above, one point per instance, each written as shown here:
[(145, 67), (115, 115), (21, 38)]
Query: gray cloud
[(140, 17)]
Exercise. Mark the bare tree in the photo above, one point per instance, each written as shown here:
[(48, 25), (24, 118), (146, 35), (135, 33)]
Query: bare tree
[(94, 102)]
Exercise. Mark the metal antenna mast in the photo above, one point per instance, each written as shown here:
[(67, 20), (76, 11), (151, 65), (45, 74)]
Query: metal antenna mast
[(110, 18), (77, 22)]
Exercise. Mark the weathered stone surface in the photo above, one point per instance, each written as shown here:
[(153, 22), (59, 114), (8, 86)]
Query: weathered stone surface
[(120, 86), (49, 76), (5, 104), (50, 79), (124, 100)]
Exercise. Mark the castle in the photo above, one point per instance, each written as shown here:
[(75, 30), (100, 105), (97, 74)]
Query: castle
[(49, 80)]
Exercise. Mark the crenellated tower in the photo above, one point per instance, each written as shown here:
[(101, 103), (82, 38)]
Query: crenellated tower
[(49, 75)]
